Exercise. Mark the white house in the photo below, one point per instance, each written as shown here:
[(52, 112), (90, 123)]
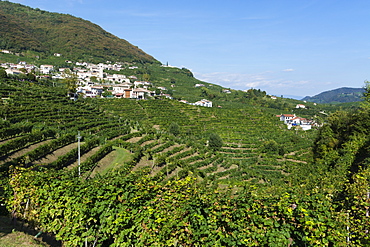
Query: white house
[(120, 88), (46, 69), (300, 106), (141, 93), (143, 83), (12, 71), (168, 96), (286, 117), (97, 90), (203, 102), (117, 78)]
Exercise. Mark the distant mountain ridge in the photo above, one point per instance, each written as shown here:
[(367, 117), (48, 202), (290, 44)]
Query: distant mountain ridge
[(24, 29), (340, 95)]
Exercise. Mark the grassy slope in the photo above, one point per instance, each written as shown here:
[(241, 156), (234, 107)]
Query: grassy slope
[(115, 159)]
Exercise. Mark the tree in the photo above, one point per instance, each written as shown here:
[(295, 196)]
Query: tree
[(70, 80), (94, 79), (107, 93), (3, 73), (273, 147), (146, 77), (214, 141), (169, 91), (366, 103), (367, 91), (174, 129), (31, 77), (23, 70)]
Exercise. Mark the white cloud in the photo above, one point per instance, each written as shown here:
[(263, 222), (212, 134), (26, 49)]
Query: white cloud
[(288, 70), (266, 81)]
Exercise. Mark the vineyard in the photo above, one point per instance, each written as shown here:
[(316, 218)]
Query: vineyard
[(150, 174)]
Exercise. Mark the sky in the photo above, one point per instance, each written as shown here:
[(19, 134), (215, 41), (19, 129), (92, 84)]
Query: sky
[(284, 47)]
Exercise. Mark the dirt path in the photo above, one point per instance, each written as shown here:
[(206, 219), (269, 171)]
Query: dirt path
[(22, 151), (54, 156), (6, 140)]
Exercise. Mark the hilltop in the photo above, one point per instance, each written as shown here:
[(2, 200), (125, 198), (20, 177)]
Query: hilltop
[(40, 34), (340, 95)]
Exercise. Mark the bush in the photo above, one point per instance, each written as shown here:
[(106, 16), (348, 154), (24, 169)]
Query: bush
[(174, 129), (272, 147), (215, 141)]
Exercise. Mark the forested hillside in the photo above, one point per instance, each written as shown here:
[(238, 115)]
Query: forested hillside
[(340, 95), (40, 34)]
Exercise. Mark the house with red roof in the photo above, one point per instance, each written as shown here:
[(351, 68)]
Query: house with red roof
[(292, 120), (286, 117)]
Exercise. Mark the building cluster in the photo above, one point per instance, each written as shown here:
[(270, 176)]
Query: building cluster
[(19, 68), (93, 79), (291, 120)]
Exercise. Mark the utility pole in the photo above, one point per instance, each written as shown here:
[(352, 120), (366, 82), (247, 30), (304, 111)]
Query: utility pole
[(79, 154)]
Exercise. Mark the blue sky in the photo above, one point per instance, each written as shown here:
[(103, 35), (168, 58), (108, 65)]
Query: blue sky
[(285, 47)]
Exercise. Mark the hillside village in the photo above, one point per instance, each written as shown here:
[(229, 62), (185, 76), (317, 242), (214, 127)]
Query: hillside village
[(92, 81)]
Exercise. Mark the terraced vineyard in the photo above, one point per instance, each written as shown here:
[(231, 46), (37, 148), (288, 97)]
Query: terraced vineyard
[(151, 166), (247, 135), (40, 126)]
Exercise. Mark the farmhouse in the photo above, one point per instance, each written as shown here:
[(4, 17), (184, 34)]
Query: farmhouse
[(286, 117), (203, 102), (292, 120)]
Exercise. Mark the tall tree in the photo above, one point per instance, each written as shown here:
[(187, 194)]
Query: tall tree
[(70, 80), (3, 73), (174, 129), (214, 141)]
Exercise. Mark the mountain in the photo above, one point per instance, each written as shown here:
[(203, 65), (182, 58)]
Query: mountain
[(340, 95), (24, 29)]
